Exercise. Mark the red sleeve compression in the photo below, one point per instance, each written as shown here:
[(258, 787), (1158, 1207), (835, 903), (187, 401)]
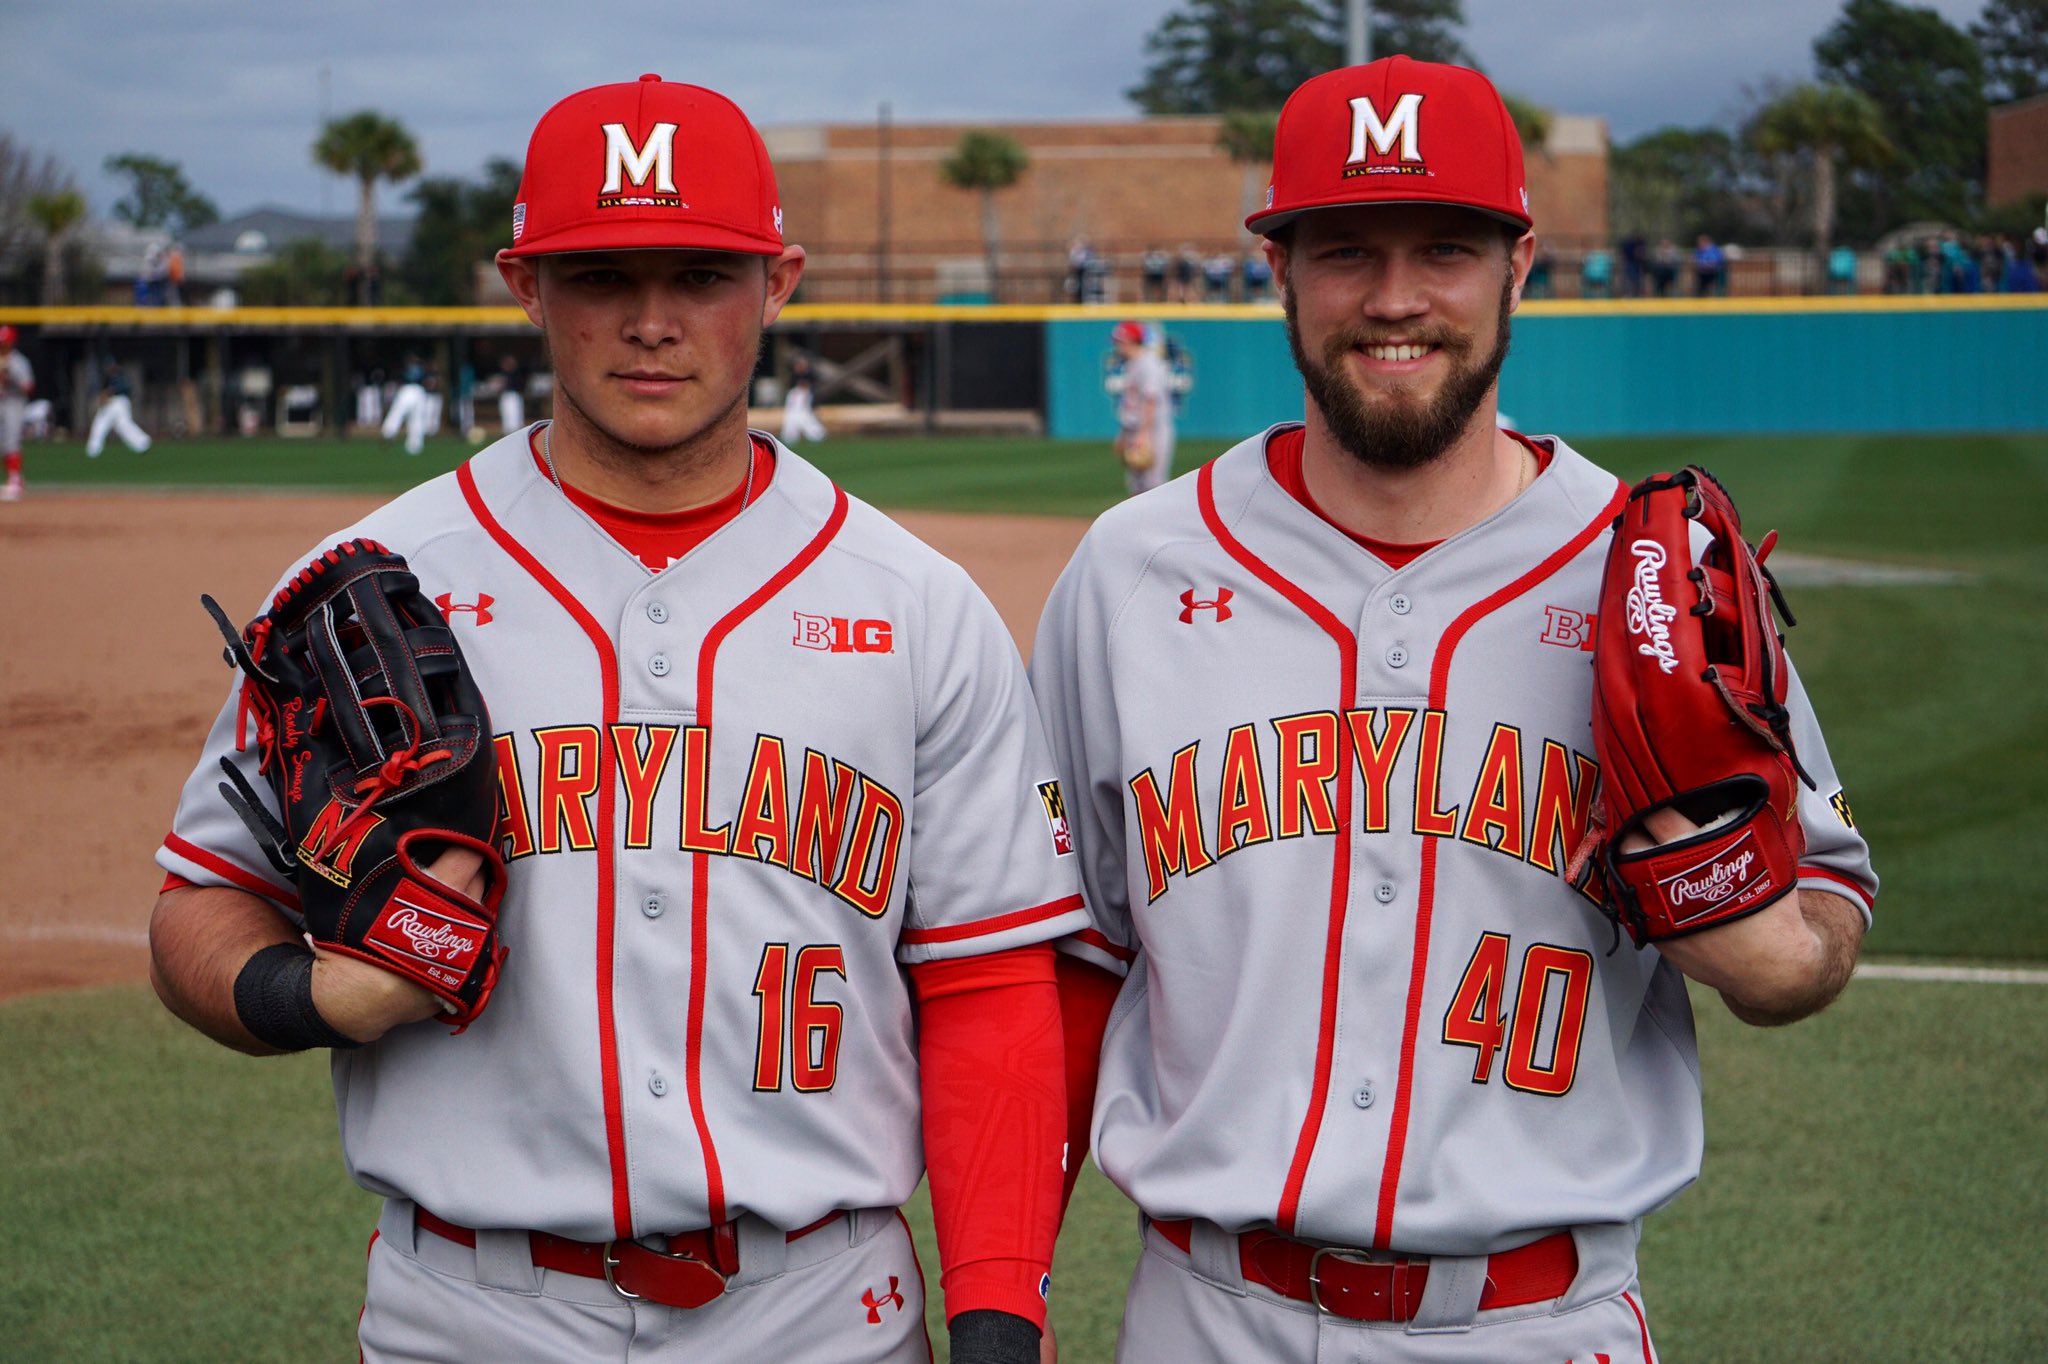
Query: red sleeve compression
[(1087, 993), (989, 1056)]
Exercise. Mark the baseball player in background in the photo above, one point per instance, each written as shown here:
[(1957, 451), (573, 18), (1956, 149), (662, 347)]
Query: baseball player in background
[(115, 413), (410, 406), (786, 850), (799, 415), (1377, 1077), (1144, 408), (511, 394), (17, 382)]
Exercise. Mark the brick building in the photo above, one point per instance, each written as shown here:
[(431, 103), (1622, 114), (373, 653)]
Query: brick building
[(1126, 186), (2019, 151)]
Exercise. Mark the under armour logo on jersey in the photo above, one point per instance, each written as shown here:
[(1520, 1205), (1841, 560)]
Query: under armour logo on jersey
[(874, 1304), (481, 607), (1567, 629), (1220, 604)]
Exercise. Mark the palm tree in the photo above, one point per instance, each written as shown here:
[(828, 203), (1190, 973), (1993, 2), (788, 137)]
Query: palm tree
[(1246, 137), (985, 161), (1532, 122), (56, 213), (369, 147), (1824, 123)]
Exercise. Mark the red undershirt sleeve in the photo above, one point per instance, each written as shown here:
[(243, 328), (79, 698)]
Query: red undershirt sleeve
[(989, 1056), (1087, 993)]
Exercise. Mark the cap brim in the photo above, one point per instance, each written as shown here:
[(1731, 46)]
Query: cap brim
[(645, 236), (1266, 224)]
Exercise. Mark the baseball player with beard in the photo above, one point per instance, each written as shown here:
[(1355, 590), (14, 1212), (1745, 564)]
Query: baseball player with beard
[(1374, 1069), (784, 847)]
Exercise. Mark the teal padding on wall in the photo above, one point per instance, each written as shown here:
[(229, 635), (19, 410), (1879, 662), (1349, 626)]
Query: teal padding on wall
[(1643, 374)]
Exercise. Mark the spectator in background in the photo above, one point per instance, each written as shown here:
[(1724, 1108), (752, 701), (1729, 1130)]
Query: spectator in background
[(1216, 275), (1596, 274), (1079, 257), (1898, 269), (1538, 283), (149, 281), (1665, 263), (1841, 271), (2020, 276), (174, 276), (1186, 267), (370, 397), (1709, 268), (1258, 276), (1634, 256), (115, 413), (1152, 273)]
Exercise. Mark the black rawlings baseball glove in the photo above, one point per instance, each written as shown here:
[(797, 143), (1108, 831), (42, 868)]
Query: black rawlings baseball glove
[(1689, 715), (378, 750)]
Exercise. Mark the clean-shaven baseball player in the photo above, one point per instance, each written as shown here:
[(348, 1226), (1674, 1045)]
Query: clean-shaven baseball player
[(785, 847), (1144, 406), (1376, 1075), (17, 382)]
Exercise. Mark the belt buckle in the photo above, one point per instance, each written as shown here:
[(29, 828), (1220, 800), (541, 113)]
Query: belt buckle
[(706, 1286), (1396, 1279)]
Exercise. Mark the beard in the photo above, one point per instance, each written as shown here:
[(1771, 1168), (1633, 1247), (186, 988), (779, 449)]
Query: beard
[(1399, 432)]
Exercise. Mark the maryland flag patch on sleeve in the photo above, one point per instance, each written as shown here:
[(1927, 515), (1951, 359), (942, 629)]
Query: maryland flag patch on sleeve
[(1840, 803), (1056, 817)]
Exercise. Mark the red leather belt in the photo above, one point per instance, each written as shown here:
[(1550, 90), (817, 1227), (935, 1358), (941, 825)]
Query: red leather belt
[(690, 1273), (1368, 1286)]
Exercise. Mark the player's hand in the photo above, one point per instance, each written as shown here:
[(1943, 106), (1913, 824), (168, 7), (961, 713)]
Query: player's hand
[(364, 1001)]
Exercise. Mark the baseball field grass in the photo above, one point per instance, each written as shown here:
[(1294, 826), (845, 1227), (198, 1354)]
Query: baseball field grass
[(1876, 1180)]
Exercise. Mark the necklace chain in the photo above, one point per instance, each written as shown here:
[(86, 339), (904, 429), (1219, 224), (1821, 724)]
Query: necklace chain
[(547, 458)]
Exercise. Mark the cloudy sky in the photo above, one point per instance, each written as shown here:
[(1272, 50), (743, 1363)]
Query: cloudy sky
[(236, 91)]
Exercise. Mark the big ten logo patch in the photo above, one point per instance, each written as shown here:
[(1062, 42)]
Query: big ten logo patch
[(1056, 817), (1568, 629), (840, 635)]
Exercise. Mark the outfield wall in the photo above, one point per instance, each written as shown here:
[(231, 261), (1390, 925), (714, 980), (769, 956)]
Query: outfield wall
[(1976, 363)]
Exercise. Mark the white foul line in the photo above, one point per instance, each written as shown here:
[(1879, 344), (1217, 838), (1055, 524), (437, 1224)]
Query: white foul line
[(1968, 975)]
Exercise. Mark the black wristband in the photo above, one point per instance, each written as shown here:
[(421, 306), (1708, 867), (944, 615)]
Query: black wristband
[(986, 1336), (274, 1000)]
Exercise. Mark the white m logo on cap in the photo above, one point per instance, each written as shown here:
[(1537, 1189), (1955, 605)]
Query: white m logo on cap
[(1366, 125), (623, 161)]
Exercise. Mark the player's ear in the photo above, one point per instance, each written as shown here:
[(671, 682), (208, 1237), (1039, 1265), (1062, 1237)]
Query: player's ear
[(522, 276), (1521, 255), (1275, 248), (783, 273)]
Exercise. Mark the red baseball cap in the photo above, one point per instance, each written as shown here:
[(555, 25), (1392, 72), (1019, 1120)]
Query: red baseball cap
[(1395, 131), (1133, 332), (8, 335), (646, 164)]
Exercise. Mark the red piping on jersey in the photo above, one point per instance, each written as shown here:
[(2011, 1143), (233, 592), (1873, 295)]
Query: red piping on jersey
[(607, 856), (1097, 941), (1425, 907), (1340, 874), (228, 871), (1862, 896), (1016, 918), (700, 901), (1641, 1325)]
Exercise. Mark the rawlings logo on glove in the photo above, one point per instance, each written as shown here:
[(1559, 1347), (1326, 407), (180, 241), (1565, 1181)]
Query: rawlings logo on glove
[(377, 748), (1689, 687)]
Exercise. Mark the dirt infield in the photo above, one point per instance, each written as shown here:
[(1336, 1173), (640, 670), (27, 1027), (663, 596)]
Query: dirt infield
[(110, 673)]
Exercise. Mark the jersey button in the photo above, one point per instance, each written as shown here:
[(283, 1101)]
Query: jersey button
[(658, 665), (1384, 892), (1363, 1096), (1399, 604), (656, 612), (1397, 656), (657, 1085), (653, 906)]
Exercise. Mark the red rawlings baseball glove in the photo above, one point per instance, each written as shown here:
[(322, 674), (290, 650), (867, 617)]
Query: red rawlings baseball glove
[(1689, 686), (378, 750)]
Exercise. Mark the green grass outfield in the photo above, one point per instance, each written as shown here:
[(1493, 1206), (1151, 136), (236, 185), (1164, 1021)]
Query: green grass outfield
[(1876, 1186)]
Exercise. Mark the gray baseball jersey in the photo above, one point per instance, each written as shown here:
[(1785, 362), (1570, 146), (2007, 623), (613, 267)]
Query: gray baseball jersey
[(738, 797), (1146, 380), (17, 381), (1322, 808)]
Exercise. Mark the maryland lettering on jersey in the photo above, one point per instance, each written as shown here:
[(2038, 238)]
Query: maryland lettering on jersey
[(815, 816), (1531, 807)]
